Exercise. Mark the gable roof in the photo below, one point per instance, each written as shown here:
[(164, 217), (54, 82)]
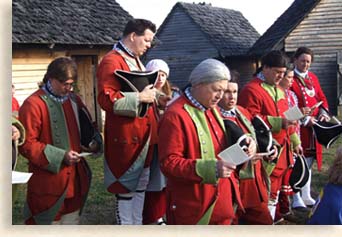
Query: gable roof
[(228, 30), (67, 21), (273, 38)]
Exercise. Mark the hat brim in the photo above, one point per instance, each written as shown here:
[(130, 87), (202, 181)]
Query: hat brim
[(135, 81), (327, 133), (300, 174), (263, 134)]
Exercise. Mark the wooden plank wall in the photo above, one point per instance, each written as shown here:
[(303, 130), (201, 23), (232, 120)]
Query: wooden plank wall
[(321, 31), (26, 74)]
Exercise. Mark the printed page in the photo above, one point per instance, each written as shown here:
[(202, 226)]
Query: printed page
[(234, 155)]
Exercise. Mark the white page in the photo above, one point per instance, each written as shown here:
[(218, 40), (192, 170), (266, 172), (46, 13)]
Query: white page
[(234, 155), (20, 177), (293, 113)]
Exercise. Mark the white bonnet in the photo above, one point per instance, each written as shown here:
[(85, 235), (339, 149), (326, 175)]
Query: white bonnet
[(158, 65)]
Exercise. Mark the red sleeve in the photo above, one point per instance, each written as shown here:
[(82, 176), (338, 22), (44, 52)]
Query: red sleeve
[(108, 86), (31, 115)]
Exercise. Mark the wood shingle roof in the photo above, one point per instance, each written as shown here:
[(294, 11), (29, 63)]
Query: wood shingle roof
[(228, 30), (273, 38), (82, 22)]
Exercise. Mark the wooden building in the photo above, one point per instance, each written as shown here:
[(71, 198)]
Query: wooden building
[(194, 32), (316, 24), (43, 30)]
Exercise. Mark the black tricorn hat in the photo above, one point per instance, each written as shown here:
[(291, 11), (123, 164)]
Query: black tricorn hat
[(263, 135), (87, 129), (300, 174), (327, 132), (135, 81), (235, 134)]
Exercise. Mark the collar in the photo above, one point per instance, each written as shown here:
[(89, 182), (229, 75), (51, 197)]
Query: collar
[(49, 91), (120, 46), (261, 76), (197, 104), (301, 74), (228, 113)]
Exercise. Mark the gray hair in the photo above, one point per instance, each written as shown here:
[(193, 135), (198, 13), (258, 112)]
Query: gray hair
[(208, 71)]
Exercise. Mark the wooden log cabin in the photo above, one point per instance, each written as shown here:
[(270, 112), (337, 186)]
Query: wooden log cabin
[(194, 32), (316, 24), (43, 30)]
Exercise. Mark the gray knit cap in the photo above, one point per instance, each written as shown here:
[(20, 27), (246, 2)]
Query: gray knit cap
[(209, 70)]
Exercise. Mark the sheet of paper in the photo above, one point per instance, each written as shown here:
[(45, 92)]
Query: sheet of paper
[(20, 177), (293, 113), (234, 155), (84, 154)]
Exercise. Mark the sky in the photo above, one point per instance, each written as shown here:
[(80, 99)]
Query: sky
[(260, 13)]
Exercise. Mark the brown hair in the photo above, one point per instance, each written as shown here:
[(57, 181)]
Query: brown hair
[(61, 69), (167, 88), (138, 26), (335, 171), (303, 50)]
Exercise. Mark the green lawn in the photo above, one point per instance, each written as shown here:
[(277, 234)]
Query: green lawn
[(99, 206)]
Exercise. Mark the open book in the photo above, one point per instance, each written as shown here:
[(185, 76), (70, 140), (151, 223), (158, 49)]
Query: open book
[(234, 155), (20, 177)]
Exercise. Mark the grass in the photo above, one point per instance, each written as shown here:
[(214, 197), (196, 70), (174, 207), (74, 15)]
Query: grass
[(99, 208)]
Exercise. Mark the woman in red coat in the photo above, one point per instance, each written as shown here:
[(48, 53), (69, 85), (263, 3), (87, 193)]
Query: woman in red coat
[(307, 88)]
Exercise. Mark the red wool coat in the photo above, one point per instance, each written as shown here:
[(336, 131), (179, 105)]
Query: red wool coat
[(254, 193), (306, 133), (258, 101), (179, 149), (45, 187), (124, 136)]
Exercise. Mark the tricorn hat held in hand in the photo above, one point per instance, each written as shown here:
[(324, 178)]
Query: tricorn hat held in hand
[(263, 135), (135, 81), (300, 174), (235, 134), (326, 132)]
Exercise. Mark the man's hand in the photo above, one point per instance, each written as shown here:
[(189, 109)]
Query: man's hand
[(148, 95), (15, 133), (224, 170), (298, 150), (252, 147), (71, 157)]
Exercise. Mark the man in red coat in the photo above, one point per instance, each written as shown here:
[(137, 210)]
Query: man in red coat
[(253, 181), (262, 96), (58, 188), (201, 188), (309, 92), (127, 134)]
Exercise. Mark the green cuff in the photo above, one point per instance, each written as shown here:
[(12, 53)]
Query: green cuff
[(295, 140), (275, 123), (127, 105), (206, 169), (55, 156)]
